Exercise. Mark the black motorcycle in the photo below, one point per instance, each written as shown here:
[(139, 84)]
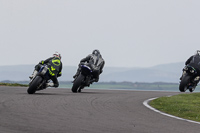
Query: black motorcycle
[(39, 81), (85, 78), (189, 79)]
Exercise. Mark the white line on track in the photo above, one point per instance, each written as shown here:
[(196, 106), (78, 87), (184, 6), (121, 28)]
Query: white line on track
[(145, 103)]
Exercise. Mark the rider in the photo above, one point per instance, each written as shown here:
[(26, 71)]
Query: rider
[(95, 59), (193, 61), (55, 67)]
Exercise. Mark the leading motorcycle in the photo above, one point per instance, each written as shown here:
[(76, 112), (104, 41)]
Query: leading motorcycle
[(189, 79), (40, 80)]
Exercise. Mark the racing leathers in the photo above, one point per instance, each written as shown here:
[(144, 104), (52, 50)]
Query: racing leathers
[(193, 61), (54, 66), (96, 62)]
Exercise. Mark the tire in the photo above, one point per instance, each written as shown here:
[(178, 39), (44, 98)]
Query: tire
[(77, 83), (33, 86), (192, 89), (183, 84)]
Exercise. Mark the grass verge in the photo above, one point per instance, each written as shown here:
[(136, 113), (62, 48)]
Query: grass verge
[(183, 105), (13, 84)]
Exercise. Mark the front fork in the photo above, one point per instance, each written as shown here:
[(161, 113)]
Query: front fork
[(42, 85), (193, 81)]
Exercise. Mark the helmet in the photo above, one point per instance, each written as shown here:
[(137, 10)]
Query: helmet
[(56, 54), (96, 52)]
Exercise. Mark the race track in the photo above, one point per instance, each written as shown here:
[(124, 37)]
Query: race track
[(92, 111)]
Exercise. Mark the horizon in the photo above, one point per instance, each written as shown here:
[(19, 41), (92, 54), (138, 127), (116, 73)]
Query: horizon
[(104, 66), (159, 73)]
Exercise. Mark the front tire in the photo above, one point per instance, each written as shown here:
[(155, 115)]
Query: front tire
[(34, 85), (77, 83), (192, 89), (184, 82)]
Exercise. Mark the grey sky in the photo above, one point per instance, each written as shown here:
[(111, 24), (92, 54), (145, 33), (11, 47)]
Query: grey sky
[(129, 33)]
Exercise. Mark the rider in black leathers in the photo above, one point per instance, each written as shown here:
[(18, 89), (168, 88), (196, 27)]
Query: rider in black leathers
[(55, 67), (193, 61), (96, 60)]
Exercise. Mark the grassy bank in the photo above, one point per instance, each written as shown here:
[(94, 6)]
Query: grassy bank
[(184, 105), (13, 84)]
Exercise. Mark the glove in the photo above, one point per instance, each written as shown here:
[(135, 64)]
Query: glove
[(41, 62)]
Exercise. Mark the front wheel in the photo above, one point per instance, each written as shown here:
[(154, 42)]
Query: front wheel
[(34, 85), (192, 89), (184, 82), (77, 83)]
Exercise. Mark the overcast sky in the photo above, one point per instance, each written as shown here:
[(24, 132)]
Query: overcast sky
[(128, 33)]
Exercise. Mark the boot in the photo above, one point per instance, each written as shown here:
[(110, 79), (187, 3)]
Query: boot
[(50, 84), (34, 74)]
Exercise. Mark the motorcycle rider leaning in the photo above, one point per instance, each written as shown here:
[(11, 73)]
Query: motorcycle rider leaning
[(55, 67), (193, 61), (96, 62)]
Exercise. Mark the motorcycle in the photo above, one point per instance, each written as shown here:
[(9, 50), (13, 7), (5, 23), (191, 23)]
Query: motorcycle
[(39, 81), (189, 79), (85, 78)]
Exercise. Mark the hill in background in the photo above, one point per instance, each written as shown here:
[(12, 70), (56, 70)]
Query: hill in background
[(160, 73)]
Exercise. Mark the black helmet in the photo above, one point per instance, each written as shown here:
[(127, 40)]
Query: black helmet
[(96, 52)]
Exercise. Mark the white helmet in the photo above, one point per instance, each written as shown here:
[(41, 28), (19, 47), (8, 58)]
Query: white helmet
[(198, 52), (56, 54)]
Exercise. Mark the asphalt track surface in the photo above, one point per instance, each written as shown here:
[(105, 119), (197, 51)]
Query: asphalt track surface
[(92, 111)]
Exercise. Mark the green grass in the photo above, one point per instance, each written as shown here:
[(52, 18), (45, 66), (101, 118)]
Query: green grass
[(184, 105), (13, 84)]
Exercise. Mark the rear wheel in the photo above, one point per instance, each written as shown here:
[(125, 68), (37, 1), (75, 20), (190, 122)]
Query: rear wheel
[(77, 83), (184, 82), (34, 85)]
